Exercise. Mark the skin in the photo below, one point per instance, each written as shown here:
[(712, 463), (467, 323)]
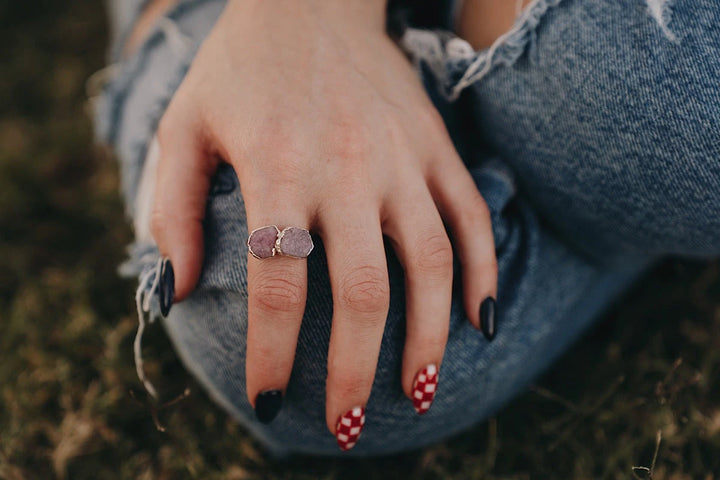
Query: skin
[(481, 22), (328, 128), (151, 13)]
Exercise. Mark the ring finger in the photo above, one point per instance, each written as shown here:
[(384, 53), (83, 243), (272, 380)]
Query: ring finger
[(277, 288)]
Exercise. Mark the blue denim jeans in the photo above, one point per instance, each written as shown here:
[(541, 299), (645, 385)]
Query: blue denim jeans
[(592, 129)]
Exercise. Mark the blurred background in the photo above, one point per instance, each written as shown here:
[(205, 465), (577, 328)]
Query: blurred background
[(70, 403)]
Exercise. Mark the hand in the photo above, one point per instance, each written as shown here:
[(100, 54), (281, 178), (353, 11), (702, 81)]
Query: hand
[(328, 128)]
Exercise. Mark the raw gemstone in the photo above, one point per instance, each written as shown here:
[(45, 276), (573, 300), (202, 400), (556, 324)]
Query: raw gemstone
[(261, 242), (295, 242)]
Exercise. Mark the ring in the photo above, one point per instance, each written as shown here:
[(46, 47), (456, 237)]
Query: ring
[(268, 241)]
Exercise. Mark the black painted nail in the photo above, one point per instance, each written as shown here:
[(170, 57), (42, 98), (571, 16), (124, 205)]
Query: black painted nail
[(487, 318), (167, 287), (267, 405)]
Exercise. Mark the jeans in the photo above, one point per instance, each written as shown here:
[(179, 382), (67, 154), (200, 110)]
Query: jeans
[(592, 130)]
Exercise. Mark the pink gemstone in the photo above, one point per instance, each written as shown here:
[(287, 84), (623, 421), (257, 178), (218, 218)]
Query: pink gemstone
[(261, 242), (295, 242)]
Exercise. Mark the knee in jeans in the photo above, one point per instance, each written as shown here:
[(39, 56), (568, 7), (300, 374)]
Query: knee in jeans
[(649, 205), (684, 208)]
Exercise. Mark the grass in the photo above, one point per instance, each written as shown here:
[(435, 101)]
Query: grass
[(67, 321)]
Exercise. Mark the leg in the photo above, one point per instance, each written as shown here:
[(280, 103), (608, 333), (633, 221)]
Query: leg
[(481, 22), (548, 295), (609, 115), (549, 292)]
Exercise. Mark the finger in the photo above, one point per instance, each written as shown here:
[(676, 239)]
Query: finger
[(468, 217), (183, 179), (423, 247), (361, 299), (277, 288)]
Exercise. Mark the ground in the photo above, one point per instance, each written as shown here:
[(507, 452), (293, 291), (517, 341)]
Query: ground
[(71, 405)]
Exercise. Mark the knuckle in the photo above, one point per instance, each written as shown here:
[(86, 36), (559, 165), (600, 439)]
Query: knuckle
[(349, 141), (434, 256), (159, 224), (432, 124), (290, 163), (279, 294), (475, 212), (431, 117), (350, 145), (273, 134), (432, 343), (365, 290), (266, 363), (165, 130), (350, 386)]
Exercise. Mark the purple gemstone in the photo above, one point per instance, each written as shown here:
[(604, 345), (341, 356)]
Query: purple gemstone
[(261, 242), (295, 242)]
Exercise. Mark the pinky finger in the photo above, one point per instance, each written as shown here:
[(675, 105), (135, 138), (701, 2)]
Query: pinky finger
[(467, 215)]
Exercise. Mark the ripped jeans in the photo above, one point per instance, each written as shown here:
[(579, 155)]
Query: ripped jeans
[(592, 130)]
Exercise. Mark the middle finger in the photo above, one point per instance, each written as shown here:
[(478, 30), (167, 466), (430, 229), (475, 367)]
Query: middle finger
[(361, 299)]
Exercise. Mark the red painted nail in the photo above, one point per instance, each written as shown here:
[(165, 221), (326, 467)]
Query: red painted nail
[(348, 428), (424, 388)]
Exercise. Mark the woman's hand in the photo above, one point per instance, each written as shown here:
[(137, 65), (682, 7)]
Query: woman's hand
[(328, 128)]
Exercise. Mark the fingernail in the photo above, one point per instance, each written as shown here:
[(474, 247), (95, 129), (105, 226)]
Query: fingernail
[(167, 287), (267, 405), (487, 318), (348, 428), (424, 388)]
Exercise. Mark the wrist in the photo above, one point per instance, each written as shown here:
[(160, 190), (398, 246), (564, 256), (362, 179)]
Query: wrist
[(368, 13), (350, 15)]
